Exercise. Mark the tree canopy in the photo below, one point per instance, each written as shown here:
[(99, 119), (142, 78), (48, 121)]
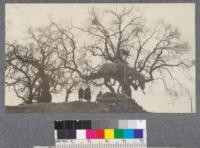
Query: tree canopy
[(58, 57)]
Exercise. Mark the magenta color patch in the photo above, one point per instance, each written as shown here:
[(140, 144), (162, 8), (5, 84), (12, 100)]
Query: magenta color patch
[(90, 134)]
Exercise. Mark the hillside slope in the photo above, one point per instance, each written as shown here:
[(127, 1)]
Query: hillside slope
[(106, 104)]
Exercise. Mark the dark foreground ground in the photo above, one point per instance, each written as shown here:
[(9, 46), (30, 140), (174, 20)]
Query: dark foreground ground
[(75, 107), (109, 103)]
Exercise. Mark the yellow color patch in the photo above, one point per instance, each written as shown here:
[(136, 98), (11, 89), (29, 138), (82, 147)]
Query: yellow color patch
[(109, 133)]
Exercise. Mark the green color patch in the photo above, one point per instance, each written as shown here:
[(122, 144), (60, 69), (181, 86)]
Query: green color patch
[(119, 133)]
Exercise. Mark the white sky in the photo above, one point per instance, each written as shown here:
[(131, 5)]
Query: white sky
[(20, 16)]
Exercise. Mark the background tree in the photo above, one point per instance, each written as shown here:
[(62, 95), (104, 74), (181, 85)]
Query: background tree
[(20, 76), (36, 62), (123, 37), (72, 60), (116, 49)]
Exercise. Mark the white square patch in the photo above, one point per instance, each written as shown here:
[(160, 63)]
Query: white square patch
[(81, 134)]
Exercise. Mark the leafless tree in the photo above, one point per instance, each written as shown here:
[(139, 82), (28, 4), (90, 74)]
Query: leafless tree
[(151, 52), (22, 78), (32, 68), (133, 54)]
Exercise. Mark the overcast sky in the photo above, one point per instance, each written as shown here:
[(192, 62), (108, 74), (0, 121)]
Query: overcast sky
[(21, 16)]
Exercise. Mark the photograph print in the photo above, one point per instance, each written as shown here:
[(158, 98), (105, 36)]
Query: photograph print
[(100, 58)]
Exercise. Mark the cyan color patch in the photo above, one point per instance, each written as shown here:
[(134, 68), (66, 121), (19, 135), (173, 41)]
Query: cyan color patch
[(128, 133)]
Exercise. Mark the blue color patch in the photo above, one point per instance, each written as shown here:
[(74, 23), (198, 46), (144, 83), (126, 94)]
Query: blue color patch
[(128, 133), (138, 133)]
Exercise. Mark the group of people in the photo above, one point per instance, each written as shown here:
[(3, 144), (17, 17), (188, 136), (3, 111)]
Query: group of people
[(84, 94)]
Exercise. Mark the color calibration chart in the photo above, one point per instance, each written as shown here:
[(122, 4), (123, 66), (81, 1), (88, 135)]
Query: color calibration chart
[(100, 134)]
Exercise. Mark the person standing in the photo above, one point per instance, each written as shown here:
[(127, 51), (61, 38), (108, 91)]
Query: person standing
[(88, 94), (80, 94), (99, 96)]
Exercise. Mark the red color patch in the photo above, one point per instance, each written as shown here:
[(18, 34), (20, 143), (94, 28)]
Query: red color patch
[(99, 134)]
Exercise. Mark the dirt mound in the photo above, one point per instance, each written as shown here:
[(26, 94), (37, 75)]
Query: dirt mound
[(119, 103), (112, 97), (107, 103)]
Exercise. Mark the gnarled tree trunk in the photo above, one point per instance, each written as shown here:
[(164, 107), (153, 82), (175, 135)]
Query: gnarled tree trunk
[(122, 73), (45, 96)]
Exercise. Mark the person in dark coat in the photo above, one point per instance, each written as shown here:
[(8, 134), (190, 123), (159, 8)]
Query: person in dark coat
[(80, 94), (99, 96), (88, 94)]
